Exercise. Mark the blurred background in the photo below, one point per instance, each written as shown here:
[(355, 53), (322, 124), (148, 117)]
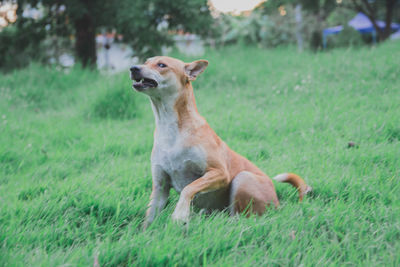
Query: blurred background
[(111, 36)]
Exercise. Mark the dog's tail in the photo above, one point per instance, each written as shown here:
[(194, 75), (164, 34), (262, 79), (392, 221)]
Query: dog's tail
[(296, 181)]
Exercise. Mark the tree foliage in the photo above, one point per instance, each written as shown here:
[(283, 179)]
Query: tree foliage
[(321, 7), (144, 24), (316, 11), (20, 43)]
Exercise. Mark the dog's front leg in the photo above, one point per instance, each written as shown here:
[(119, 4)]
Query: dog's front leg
[(212, 180), (159, 194)]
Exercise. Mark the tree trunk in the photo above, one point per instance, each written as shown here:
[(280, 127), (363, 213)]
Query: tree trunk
[(388, 20), (299, 27), (383, 34), (85, 44)]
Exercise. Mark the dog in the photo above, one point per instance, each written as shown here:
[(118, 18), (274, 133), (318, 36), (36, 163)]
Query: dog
[(190, 157)]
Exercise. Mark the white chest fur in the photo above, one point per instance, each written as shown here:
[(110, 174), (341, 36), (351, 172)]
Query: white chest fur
[(182, 162)]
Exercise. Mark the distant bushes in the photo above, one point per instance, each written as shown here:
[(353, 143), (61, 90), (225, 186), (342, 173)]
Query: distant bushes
[(347, 37), (278, 30), (116, 103), (257, 28), (21, 45), (43, 87), (272, 29)]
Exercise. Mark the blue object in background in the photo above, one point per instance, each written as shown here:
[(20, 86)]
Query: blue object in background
[(361, 23)]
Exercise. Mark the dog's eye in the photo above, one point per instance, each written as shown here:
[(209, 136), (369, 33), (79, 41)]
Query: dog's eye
[(161, 65)]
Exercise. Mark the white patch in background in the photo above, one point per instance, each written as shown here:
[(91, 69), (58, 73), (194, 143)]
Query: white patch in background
[(117, 58), (189, 44)]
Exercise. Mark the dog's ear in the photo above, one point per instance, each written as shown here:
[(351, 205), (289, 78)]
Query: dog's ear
[(192, 70)]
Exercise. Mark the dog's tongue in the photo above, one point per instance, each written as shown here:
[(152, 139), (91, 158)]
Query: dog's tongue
[(139, 85)]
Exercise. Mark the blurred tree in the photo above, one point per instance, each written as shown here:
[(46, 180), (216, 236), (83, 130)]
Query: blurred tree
[(80, 18), (19, 45), (320, 9), (143, 23), (375, 9)]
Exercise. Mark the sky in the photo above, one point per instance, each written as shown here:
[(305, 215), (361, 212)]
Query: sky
[(235, 6)]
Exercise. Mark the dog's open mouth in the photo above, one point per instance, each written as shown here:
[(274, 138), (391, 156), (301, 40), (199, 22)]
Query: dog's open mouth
[(144, 83)]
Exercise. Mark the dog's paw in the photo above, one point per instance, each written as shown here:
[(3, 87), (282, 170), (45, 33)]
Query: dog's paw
[(180, 216), (145, 225), (308, 190)]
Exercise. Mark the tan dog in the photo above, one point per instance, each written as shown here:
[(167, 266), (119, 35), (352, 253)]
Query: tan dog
[(190, 157)]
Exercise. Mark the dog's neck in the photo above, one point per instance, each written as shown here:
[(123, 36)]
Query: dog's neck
[(175, 113)]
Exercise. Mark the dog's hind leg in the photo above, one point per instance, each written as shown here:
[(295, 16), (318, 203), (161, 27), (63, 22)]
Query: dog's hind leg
[(251, 193), (212, 180)]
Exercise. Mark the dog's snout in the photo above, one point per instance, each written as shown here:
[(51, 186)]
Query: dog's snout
[(135, 69), (136, 73)]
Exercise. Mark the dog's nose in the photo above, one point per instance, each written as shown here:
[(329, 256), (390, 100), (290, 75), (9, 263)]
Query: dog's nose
[(134, 69)]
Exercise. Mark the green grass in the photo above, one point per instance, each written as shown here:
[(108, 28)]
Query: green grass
[(75, 163)]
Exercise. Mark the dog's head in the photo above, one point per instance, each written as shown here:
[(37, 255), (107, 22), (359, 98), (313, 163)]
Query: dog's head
[(162, 75)]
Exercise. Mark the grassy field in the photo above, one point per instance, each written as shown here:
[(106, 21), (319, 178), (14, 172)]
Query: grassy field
[(75, 163)]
